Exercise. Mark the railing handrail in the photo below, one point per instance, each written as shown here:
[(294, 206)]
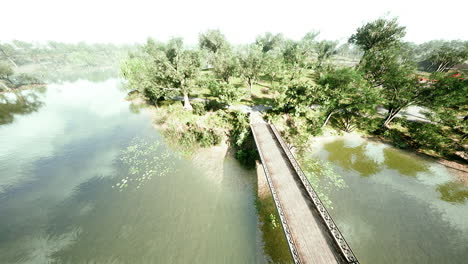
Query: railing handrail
[(333, 229)]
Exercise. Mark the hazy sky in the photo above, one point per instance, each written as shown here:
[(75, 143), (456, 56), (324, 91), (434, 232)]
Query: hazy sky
[(132, 21)]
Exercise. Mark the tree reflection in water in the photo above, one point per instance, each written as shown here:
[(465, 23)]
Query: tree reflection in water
[(19, 103)]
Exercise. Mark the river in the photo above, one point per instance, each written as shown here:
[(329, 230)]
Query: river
[(85, 178), (395, 207)]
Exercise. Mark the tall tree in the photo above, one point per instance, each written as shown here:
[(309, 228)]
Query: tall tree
[(395, 78), (325, 50), (251, 62), (170, 67), (213, 41), (299, 55), (448, 55), (269, 42), (378, 34), (345, 92), (225, 65), (274, 67)]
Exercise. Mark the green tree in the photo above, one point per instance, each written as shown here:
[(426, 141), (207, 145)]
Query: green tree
[(298, 97), (449, 103), (299, 55), (274, 67), (325, 50), (165, 68), (213, 41), (346, 93), (269, 42), (398, 83), (225, 65), (251, 62), (448, 55), (378, 34)]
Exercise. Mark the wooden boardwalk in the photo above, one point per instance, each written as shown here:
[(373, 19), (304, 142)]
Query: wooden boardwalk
[(310, 238)]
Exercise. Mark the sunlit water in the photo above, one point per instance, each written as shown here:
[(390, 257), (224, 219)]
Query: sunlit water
[(397, 207), (85, 180)]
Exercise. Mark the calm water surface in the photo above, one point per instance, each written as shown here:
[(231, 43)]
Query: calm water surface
[(85, 179), (397, 207)]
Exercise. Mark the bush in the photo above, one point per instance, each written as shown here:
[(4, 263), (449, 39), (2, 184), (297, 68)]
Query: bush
[(214, 105), (226, 93), (242, 139), (429, 136), (199, 108), (205, 137)]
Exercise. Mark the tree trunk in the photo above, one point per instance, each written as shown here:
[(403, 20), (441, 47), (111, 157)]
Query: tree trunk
[(390, 116), (187, 104), (328, 118), (250, 83)]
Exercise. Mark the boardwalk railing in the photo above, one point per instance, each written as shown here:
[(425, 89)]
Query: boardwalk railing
[(279, 207), (333, 229)]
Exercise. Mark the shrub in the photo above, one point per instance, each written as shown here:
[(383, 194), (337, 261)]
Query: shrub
[(226, 93), (242, 139), (430, 136), (199, 108), (214, 105), (205, 137)]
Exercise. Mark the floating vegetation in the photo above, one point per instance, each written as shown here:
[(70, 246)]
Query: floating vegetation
[(145, 160), (273, 221)]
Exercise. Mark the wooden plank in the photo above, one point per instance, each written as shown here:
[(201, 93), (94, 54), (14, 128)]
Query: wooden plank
[(311, 237)]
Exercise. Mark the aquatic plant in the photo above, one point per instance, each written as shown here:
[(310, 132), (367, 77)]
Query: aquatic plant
[(145, 159)]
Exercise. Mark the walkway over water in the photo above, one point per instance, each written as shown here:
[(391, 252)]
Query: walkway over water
[(311, 233)]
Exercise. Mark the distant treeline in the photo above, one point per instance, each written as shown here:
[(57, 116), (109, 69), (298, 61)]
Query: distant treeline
[(55, 61)]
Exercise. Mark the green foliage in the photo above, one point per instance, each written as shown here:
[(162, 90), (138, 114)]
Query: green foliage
[(378, 34), (225, 65), (242, 139), (214, 105), (453, 192), (225, 92), (269, 42), (205, 137), (325, 50), (429, 136), (298, 97), (449, 54), (160, 69), (26, 79), (251, 62), (5, 71), (346, 94), (213, 41), (199, 108)]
